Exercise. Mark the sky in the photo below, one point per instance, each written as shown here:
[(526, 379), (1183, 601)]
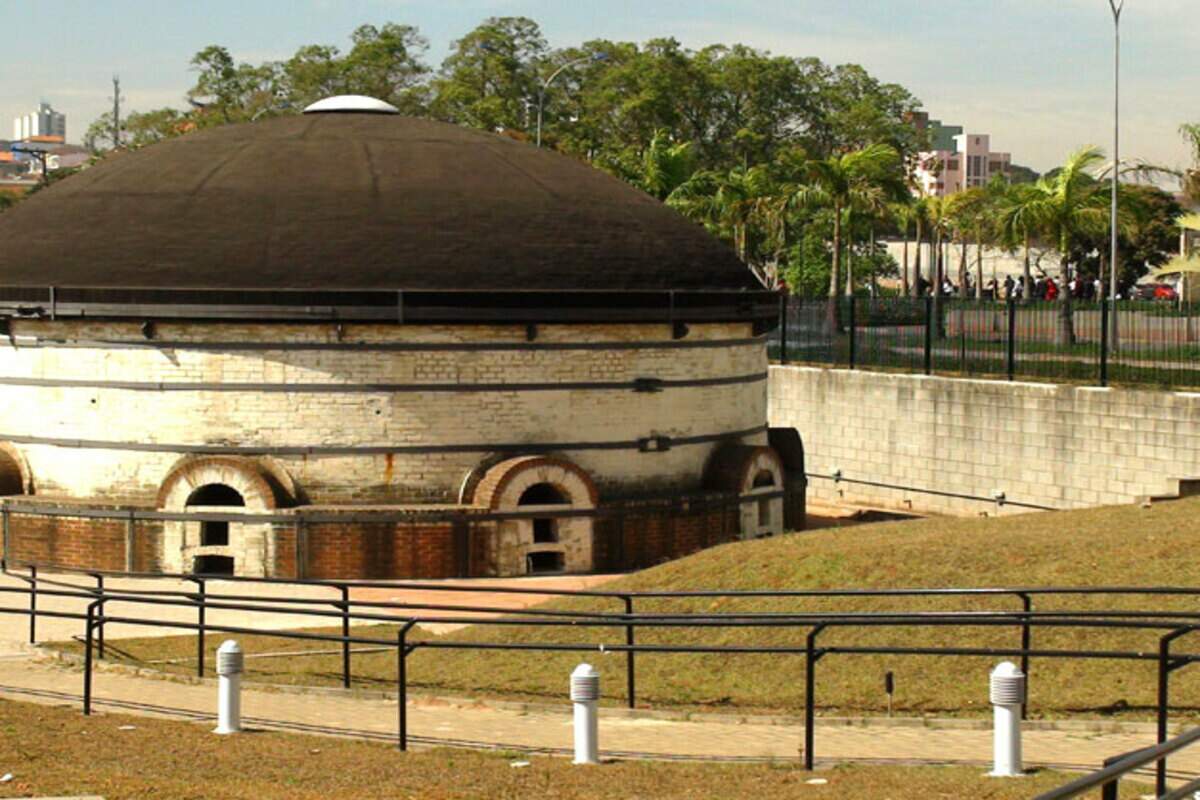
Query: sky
[(1035, 74)]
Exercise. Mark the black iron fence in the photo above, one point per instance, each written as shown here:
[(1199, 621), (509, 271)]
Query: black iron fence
[(1139, 343), (1167, 625)]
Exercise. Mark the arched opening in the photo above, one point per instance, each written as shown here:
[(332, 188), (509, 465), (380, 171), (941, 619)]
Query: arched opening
[(215, 533), (545, 529), (764, 480)]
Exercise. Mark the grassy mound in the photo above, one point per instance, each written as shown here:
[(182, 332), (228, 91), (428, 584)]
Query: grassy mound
[(1124, 545), (57, 751)]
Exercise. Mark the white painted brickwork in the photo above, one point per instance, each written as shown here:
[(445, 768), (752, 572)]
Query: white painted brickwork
[(1051, 445), (372, 419)]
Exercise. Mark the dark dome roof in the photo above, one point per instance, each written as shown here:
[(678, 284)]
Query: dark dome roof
[(355, 201)]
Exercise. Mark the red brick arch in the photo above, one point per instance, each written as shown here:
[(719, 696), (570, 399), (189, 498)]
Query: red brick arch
[(496, 481), (254, 482)]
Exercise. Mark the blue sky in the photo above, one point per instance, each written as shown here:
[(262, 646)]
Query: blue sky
[(1036, 74)]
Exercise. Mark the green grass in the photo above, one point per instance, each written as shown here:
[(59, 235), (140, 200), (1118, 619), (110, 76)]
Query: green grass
[(1124, 545), (56, 751)]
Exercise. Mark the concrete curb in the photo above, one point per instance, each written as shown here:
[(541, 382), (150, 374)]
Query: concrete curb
[(1093, 725)]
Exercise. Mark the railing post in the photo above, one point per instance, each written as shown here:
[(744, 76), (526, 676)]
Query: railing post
[(630, 685), (402, 683), (4, 533), (130, 541), (33, 603), (1104, 341), (783, 323), (345, 636), (1164, 693), (852, 331), (810, 688), (200, 621), (100, 625), (87, 659), (1010, 349), (928, 335), (1110, 790), (1027, 607)]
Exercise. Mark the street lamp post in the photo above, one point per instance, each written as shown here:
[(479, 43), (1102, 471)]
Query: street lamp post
[(1117, 7), (555, 74)]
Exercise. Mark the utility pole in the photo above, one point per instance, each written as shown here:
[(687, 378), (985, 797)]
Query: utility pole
[(116, 113), (1117, 7)]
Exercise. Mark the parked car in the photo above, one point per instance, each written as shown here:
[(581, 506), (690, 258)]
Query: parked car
[(1156, 291)]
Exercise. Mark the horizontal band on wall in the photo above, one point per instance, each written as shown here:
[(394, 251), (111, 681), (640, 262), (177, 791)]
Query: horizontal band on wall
[(316, 518), (19, 342), (645, 385), (517, 448)]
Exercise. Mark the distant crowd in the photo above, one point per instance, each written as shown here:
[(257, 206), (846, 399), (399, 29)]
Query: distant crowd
[(1042, 288)]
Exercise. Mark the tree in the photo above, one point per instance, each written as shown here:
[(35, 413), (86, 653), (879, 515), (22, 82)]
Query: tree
[(663, 167), (490, 80), (859, 179), (1066, 205), (1019, 225)]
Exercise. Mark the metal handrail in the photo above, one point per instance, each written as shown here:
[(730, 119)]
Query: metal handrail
[(1111, 773)]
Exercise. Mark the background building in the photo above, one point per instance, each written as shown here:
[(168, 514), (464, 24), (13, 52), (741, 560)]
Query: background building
[(969, 163), (45, 122)]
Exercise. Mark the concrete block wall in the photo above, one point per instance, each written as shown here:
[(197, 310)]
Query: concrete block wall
[(1060, 446)]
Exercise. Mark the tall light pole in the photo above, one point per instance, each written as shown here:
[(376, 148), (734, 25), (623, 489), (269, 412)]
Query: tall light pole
[(555, 74), (1117, 7)]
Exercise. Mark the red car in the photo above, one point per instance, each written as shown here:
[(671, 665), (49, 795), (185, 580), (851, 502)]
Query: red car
[(1157, 291)]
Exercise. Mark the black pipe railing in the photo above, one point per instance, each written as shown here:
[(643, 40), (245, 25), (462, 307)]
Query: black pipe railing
[(1108, 778), (1171, 624)]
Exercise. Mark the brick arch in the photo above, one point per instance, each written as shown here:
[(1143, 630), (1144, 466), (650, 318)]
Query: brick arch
[(14, 471), (503, 484), (733, 468), (249, 478)]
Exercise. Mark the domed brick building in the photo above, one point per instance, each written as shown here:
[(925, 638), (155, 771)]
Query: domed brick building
[(386, 347)]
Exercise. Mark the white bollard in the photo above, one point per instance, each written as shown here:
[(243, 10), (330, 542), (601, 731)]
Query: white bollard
[(585, 692), (230, 664), (1007, 693)]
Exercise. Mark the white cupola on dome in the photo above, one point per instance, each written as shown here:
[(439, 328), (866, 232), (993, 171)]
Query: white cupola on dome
[(351, 103)]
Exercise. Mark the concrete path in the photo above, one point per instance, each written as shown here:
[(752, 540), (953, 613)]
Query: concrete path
[(24, 676), (444, 724)]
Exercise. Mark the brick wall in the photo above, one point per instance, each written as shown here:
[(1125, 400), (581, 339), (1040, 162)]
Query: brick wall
[(248, 416), (67, 541), (641, 534), (1045, 444), (382, 550)]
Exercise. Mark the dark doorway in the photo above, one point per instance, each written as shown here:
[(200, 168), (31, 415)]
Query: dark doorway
[(213, 565), (215, 533), (763, 480), (541, 563), (545, 529)]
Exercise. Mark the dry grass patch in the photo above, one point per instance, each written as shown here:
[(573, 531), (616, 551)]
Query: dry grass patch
[(57, 751), (1123, 545)]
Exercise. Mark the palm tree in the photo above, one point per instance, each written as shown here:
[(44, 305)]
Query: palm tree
[(938, 218), (1065, 205), (841, 183), (1018, 225), (741, 205), (905, 214)]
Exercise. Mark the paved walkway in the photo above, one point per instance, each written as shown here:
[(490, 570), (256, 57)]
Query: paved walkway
[(441, 723), (23, 676)]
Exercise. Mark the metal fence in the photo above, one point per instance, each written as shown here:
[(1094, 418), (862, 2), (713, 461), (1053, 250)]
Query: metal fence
[(1139, 343), (94, 615)]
